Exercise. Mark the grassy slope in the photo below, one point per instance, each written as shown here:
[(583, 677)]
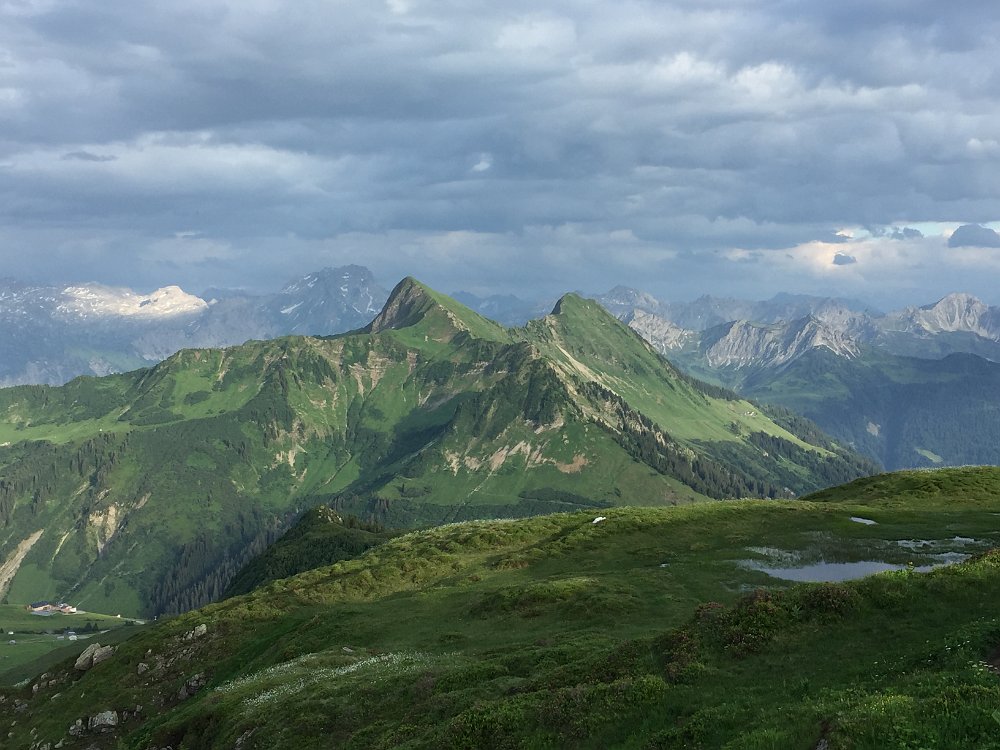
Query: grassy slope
[(434, 415), (554, 631), (37, 644), (583, 337), (319, 538)]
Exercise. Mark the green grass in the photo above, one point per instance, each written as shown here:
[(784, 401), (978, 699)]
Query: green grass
[(37, 642), (640, 631)]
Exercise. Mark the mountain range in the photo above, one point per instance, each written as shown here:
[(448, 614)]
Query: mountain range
[(874, 397), (914, 388), (49, 335), (748, 331), (145, 492)]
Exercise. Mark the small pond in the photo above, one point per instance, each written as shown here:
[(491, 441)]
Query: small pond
[(830, 572)]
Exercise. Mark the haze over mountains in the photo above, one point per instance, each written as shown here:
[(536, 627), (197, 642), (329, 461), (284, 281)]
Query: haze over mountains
[(53, 334), (885, 383)]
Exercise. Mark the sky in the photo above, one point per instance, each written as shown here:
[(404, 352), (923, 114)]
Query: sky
[(683, 147)]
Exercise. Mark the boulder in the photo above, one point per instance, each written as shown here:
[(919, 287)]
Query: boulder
[(94, 654), (192, 686), (103, 654), (198, 632), (103, 722)]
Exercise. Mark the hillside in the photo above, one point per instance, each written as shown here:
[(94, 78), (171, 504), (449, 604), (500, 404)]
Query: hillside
[(655, 627), (146, 492), (319, 538), (903, 411), (933, 408)]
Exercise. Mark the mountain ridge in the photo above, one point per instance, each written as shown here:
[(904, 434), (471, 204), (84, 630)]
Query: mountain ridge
[(437, 416), (53, 334)]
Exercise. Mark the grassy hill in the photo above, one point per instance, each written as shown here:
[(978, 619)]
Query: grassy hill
[(320, 538), (145, 493), (656, 627)]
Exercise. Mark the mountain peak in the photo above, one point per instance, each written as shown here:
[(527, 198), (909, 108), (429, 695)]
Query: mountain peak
[(956, 299), (408, 303), (331, 277), (573, 303), (956, 312), (411, 303)]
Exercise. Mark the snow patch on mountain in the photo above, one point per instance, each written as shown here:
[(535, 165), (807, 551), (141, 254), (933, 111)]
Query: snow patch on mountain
[(95, 300)]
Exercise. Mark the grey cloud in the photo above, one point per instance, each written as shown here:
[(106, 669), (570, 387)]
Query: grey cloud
[(974, 235), (86, 156), (292, 133), (841, 259)]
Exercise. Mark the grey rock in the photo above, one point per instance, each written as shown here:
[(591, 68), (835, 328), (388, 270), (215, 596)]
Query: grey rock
[(104, 721), (94, 654), (198, 632), (192, 686)]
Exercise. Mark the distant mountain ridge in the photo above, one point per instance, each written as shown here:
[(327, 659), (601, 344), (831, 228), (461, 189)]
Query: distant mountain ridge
[(50, 335), (957, 323), (708, 311), (919, 387)]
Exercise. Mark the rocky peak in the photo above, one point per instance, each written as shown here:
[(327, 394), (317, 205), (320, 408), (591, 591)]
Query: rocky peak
[(957, 312), (623, 299), (342, 278), (329, 301), (408, 303), (658, 331), (743, 343), (99, 301)]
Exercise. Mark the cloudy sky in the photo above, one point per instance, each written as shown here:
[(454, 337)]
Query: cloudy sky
[(688, 146)]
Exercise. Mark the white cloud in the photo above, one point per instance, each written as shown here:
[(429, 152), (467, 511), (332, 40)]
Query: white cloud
[(484, 163), (537, 34)]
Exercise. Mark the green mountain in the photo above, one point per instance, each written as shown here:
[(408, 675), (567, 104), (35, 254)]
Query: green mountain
[(656, 627), (145, 493), (903, 411)]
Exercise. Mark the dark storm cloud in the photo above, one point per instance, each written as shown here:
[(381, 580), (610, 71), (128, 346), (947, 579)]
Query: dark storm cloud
[(562, 144), (974, 235)]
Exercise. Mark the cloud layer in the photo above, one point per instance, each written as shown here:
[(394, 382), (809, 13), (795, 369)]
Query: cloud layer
[(685, 147)]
